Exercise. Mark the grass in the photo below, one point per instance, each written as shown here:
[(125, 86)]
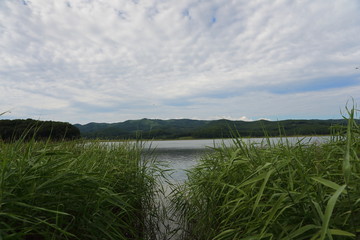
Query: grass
[(275, 191), (75, 190), (92, 190)]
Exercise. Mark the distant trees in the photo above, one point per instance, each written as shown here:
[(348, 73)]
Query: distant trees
[(39, 130), (185, 128), (162, 129)]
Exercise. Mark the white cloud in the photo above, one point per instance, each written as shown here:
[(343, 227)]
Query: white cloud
[(242, 118), (189, 58)]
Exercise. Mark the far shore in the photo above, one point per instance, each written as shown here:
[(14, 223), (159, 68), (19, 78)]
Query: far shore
[(190, 138)]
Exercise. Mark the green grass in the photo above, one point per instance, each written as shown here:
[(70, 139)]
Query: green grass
[(92, 190), (275, 191), (75, 190)]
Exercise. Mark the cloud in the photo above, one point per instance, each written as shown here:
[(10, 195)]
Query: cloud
[(106, 61), (242, 118)]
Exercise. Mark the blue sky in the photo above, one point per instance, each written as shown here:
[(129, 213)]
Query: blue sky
[(86, 61)]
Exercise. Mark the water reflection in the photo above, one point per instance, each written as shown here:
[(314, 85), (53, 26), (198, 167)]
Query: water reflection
[(179, 160)]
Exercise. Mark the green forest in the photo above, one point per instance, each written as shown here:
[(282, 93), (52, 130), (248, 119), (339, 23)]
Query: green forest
[(39, 130), (163, 129), (201, 129)]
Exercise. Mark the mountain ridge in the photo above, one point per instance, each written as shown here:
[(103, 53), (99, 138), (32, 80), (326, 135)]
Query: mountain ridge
[(221, 128)]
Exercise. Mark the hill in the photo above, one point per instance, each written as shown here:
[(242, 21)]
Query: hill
[(187, 128), (40, 130)]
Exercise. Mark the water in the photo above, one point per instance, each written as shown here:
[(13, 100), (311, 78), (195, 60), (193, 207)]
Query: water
[(178, 156)]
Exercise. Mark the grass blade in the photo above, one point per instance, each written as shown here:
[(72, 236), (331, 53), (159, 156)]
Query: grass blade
[(341, 233), (327, 183), (328, 212)]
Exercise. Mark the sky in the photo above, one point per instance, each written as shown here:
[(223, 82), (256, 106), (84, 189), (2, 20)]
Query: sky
[(82, 61)]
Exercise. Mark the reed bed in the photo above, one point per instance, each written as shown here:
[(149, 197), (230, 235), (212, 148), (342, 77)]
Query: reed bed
[(285, 190), (75, 190)]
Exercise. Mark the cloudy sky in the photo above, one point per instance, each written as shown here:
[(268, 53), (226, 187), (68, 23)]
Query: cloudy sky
[(86, 61)]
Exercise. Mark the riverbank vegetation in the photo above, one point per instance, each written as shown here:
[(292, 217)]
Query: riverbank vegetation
[(75, 190), (275, 191), (92, 190)]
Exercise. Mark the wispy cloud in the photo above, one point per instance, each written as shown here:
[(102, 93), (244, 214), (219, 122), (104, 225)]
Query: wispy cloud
[(107, 61)]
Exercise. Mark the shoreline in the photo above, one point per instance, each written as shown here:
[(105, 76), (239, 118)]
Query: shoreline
[(190, 139)]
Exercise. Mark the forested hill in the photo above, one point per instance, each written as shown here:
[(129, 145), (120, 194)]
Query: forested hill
[(39, 130), (186, 128)]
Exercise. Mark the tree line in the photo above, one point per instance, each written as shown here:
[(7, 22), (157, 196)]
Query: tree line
[(201, 129), (11, 130)]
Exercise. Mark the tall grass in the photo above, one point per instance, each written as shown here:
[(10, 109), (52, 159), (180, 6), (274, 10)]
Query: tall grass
[(75, 190), (275, 191)]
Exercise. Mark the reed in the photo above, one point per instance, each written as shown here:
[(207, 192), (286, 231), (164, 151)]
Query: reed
[(75, 190), (285, 190)]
